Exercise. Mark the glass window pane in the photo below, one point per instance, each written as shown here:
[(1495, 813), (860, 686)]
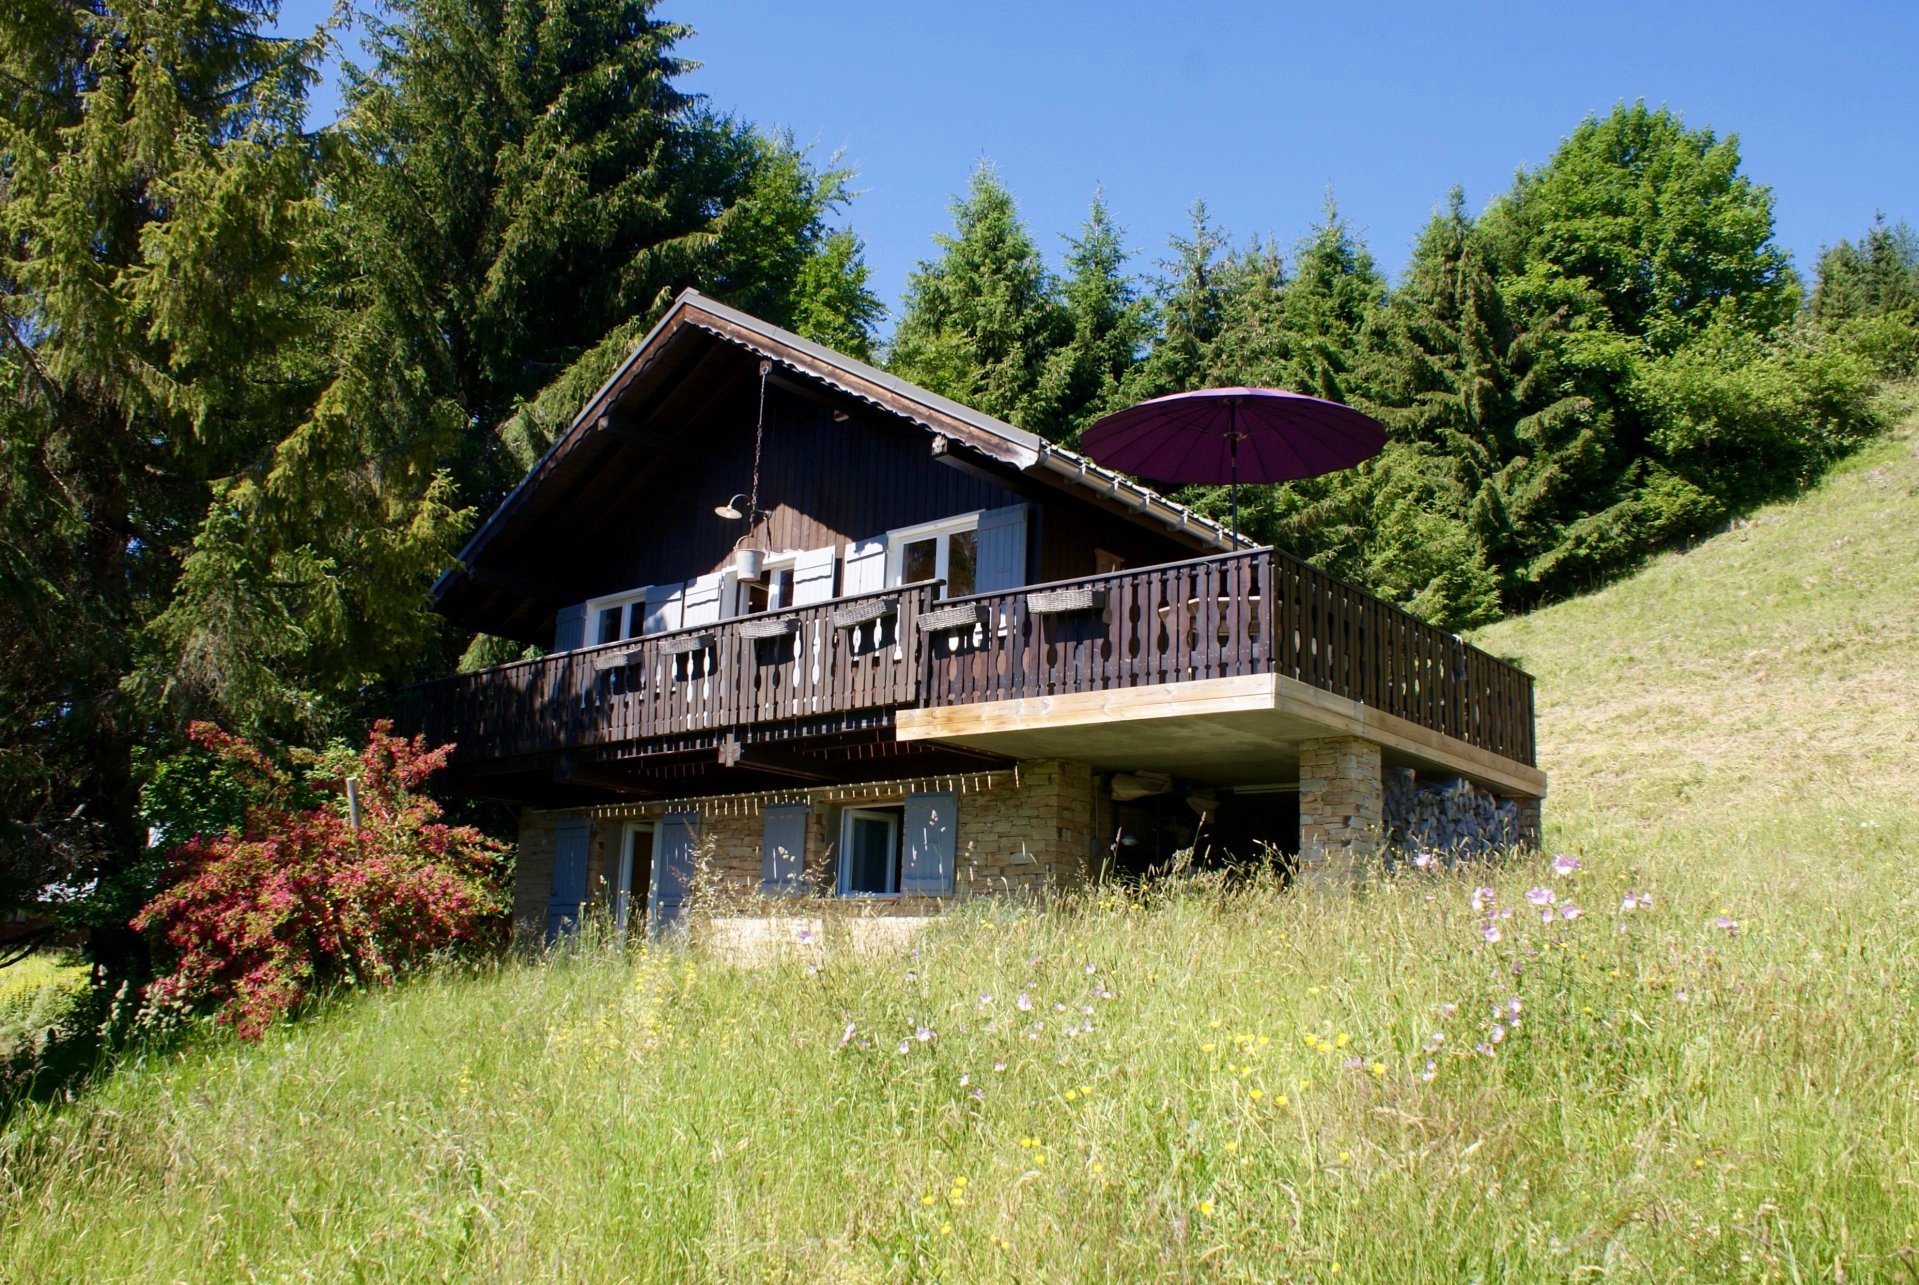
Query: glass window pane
[(781, 583), (610, 625), (919, 561), (961, 555), (869, 854), (636, 619), (757, 598)]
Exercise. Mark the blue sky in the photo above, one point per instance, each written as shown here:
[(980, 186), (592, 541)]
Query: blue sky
[(1263, 108)]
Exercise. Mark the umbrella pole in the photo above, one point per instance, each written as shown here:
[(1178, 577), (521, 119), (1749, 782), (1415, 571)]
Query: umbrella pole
[(1232, 448)]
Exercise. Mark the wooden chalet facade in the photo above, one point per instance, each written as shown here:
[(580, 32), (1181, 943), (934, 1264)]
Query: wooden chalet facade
[(974, 660)]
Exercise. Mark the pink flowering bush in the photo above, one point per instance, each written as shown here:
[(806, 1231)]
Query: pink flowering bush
[(296, 899)]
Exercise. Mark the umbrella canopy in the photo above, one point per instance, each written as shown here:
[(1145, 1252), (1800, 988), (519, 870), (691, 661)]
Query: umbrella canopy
[(1221, 435)]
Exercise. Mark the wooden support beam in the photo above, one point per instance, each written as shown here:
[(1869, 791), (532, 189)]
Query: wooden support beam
[(774, 762), (570, 771)]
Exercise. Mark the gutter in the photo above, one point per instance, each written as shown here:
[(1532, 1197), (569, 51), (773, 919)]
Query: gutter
[(1079, 469)]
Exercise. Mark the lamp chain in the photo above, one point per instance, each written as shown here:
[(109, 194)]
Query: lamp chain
[(759, 433)]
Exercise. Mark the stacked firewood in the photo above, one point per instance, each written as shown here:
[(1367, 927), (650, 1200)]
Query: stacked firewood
[(1452, 819)]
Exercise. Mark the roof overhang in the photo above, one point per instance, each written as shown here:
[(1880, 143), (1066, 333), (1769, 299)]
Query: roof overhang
[(694, 318)]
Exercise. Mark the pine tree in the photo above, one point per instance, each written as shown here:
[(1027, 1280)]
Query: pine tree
[(154, 169), (980, 321), (1107, 327), (1188, 311), (518, 191)]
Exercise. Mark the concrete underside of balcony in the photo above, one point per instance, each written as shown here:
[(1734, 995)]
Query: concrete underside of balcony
[(1225, 731)]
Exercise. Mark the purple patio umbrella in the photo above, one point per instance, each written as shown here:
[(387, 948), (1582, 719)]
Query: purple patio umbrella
[(1216, 435)]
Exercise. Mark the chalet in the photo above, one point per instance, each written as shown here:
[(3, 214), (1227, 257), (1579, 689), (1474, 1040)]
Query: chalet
[(945, 657)]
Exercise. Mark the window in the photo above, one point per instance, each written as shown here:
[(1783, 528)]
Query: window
[(870, 852), (946, 550), (615, 617), (773, 591)]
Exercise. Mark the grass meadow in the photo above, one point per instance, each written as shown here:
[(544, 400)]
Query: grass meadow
[(1710, 1071)]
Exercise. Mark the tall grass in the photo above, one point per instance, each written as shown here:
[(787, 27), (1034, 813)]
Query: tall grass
[(1196, 1080)]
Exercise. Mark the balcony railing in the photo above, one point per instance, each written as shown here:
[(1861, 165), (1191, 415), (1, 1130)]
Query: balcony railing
[(1256, 612), (837, 657)]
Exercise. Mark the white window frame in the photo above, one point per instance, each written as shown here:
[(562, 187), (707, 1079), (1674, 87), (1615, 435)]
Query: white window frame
[(895, 820), (625, 602), (735, 599), (631, 836), (941, 532)]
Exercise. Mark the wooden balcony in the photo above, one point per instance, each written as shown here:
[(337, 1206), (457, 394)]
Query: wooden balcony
[(1244, 654), (1253, 613), (839, 664)]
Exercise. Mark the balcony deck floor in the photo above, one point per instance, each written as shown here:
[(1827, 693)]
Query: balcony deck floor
[(1228, 731)]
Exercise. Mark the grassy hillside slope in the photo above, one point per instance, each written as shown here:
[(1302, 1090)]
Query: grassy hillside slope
[(1242, 1083)]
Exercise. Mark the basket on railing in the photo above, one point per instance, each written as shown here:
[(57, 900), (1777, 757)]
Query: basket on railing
[(959, 616), (768, 627), (687, 642), (1060, 602), (865, 611), (618, 659)]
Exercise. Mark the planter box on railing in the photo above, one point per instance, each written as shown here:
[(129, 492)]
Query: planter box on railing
[(1060, 602), (687, 642), (776, 627), (962, 616), (618, 659), (855, 614)]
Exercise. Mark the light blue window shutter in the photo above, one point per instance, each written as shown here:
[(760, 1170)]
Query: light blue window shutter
[(865, 567), (1002, 549), (675, 841), (783, 845), (926, 867), (569, 877), (702, 605), (663, 607), (813, 576), (569, 628)]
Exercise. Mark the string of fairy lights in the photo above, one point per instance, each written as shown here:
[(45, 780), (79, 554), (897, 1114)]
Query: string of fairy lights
[(734, 805)]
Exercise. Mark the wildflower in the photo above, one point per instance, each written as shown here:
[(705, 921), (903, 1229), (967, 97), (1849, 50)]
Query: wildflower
[(965, 1080), (1024, 1003), (922, 1033), (1730, 926), (1482, 898), (1483, 1047), (1631, 902), (1342, 1041), (1354, 1063), (1565, 865), (1570, 912), (1205, 1206), (1514, 1008), (1432, 1069), (846, 1036), (1257, 1093), (1344, 1156), (999, 1066), (1072, 1094), (946, 1229), (1490, 931), (1447, 1010), (1541, 897), (1498, 1032), (912, 977), (1379, 1068), (1091, 969), (926, 1199), (1425, 860), (984, 1000), (905, 1045)]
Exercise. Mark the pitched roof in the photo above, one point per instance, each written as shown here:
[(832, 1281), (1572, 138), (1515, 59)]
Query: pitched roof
[(693, 312)]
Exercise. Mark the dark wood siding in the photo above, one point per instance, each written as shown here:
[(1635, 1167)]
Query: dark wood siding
[(822, 481)]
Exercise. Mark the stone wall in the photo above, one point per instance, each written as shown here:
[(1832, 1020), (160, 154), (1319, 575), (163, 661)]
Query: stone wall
[(1341, 806), (1029, 828)]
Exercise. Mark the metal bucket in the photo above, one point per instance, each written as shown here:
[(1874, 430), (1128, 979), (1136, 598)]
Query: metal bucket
[(749, 564)]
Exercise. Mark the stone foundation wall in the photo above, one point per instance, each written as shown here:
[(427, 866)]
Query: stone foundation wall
[(1341, 806), (1024, 829)]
